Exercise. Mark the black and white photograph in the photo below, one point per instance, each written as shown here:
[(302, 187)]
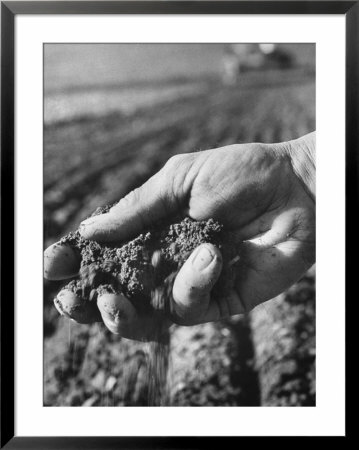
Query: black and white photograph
[(179, 224)]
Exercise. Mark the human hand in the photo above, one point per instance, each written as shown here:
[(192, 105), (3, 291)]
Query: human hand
[(263, 193)]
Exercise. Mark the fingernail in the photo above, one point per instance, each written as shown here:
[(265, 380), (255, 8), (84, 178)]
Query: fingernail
[(203, 258)]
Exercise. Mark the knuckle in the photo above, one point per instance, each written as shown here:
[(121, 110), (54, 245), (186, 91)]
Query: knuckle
[(128, 201), (175, 162), (178, 171)]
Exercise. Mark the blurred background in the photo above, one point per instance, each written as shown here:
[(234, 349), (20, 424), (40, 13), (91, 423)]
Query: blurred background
[(113, 115)]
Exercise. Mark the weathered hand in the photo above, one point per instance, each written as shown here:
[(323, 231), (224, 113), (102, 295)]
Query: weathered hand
[(264, 193)]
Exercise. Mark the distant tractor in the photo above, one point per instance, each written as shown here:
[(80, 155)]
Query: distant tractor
[(240, 58)]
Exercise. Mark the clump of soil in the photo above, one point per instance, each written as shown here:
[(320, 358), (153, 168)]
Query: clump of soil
[(144, 268)]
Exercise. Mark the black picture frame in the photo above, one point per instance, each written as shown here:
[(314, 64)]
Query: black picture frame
[(9, 10)]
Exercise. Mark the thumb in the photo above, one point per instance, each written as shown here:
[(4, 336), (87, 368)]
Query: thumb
[(193, 284), (154, 200)]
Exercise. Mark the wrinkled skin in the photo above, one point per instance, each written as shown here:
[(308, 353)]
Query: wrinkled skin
[(257, 191)]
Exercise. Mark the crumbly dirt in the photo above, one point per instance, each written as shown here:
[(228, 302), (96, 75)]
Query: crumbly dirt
[(144, 268)]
